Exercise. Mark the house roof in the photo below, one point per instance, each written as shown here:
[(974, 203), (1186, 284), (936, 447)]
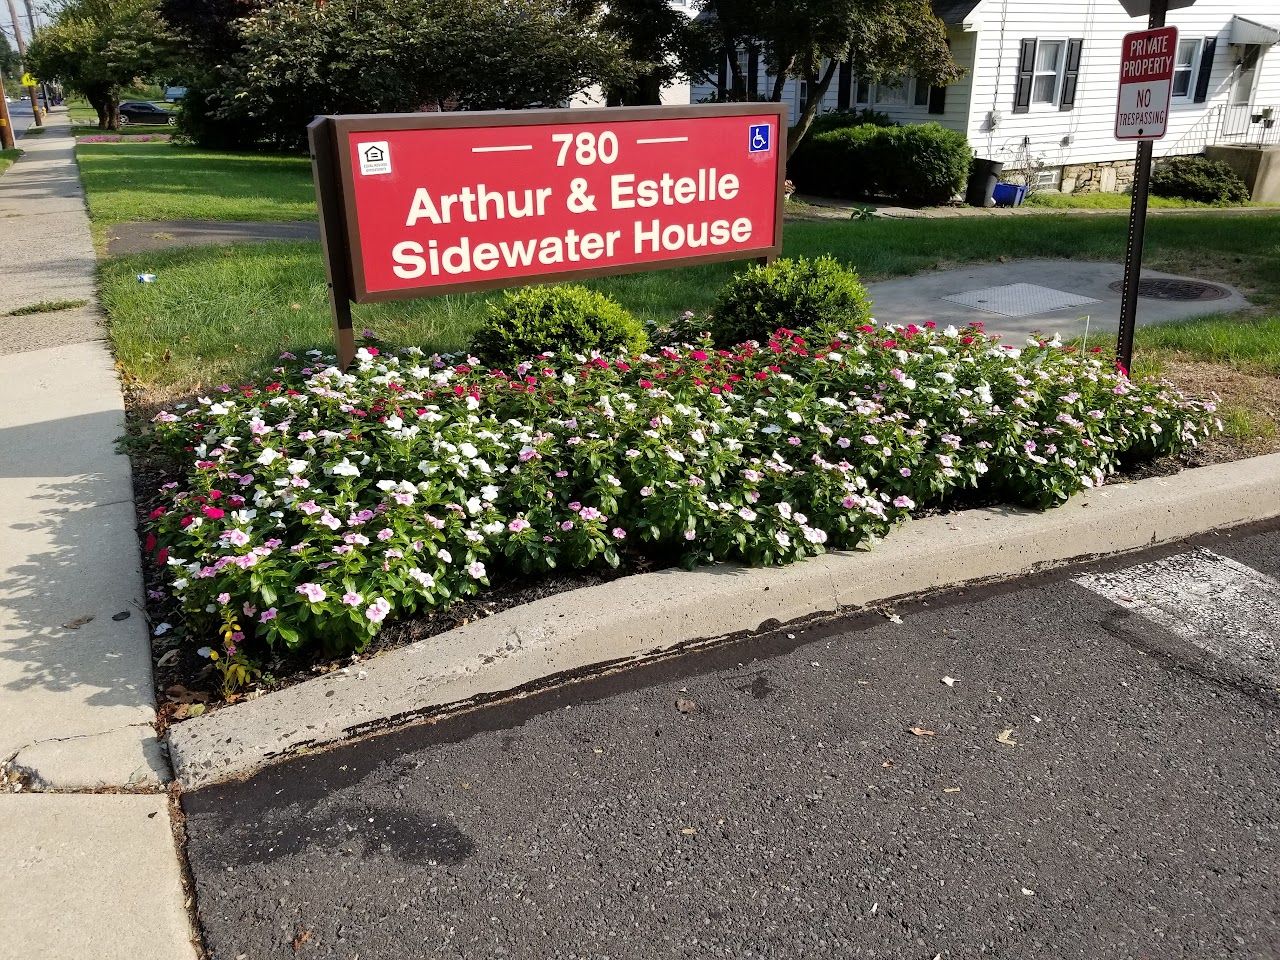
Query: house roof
[(954, 11)]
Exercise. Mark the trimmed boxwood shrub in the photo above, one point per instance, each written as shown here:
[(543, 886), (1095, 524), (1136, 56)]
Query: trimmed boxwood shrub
[(1200, 179), (920, 164), (789, 293), (923, 163), (534, 320)]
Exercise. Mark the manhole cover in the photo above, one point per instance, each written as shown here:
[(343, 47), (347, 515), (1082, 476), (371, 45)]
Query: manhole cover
[(1160, 288)]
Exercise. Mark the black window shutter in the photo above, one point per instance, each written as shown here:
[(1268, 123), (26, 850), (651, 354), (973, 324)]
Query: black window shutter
[(937, 99), (1071, 76), (844, 101), (753, 73), (1206, 68), (1026, 69)]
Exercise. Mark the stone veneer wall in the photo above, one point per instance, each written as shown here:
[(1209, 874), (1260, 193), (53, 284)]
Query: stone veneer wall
[(1108, 176)]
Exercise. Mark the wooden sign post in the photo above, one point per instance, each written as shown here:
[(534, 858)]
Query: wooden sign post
[(420, 205)]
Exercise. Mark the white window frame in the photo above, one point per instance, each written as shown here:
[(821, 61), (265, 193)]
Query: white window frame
[(1055, 102), (1194, 69)]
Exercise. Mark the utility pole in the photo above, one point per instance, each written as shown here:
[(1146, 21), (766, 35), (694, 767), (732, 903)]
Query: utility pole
[(6, 123), (22, 51), (1137, 227), (31, 23)]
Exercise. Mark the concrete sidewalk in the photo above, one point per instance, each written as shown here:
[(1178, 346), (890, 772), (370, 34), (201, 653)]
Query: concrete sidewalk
[(97, 874)]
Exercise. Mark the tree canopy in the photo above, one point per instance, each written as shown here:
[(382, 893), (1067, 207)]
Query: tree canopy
[(99, 48), (808, 39), (294, 59)]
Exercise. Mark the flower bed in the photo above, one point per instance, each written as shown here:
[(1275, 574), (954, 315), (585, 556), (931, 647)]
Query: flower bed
[(313, 509)]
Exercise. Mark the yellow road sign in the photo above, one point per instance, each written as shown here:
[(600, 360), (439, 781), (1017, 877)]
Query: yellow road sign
[(28, 80)]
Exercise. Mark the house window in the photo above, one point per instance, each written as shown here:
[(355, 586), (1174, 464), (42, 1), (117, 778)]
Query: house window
[(892, 92), (921, 95), (1184, 67), (863, 95), (1047, 77), (804, 95)]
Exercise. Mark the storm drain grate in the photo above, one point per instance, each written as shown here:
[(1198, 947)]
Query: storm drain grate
[(1018, 299), (1160, 288)]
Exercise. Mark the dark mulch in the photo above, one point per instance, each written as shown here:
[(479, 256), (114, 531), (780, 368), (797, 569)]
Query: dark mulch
[(145, 236)]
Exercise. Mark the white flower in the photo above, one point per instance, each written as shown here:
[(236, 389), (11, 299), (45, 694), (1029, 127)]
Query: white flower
[(268, 456), (476, 569), (346, 469)]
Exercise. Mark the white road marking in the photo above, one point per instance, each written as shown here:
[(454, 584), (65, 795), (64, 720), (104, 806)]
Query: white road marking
[(517, 146), (1222, 606)]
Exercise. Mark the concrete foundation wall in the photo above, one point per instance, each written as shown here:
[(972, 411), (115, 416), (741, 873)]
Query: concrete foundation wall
[(1259, 168)]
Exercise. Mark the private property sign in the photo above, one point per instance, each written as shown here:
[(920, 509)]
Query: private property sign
[(416, 205), (1146, 83)]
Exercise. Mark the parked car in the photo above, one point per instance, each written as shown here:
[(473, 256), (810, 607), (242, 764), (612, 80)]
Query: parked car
[(174, 94), (140, 111)]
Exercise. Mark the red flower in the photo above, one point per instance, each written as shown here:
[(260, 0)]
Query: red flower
[(162, 557), (150, 544), (214, 513), (186, 522), (157, 513), (215, 494), (762, 375)]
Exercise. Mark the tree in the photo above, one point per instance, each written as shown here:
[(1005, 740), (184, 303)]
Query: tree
[(101, 47), (300, 58), (9, 59), (661, 43), (808, 39)]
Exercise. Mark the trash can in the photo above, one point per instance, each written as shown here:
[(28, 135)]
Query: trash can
[(983, 175)]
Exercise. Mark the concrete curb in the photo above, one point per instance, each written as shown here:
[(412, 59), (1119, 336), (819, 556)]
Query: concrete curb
[(646, 614)]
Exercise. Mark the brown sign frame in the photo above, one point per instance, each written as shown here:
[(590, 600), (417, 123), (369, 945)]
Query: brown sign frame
[(340, 229)]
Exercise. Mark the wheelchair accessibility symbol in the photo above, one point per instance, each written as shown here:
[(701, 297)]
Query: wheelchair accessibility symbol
[(759, 138)]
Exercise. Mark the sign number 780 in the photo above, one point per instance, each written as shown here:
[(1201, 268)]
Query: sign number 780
[(587, 147)]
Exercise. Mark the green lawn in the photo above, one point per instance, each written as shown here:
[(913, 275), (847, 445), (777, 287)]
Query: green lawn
[(1106, 201), (129, 130), (7, 157), (223, 313), (164, 181), (1229, 339)]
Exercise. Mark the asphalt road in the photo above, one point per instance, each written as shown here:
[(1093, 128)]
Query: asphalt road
[(20, 117), (1133, 809)]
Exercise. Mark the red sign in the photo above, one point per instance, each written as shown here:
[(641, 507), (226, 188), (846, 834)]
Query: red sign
[(437, 203), (1146, 83)]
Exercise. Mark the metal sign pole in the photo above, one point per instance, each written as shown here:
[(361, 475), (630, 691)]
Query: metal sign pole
[(1137, 229)]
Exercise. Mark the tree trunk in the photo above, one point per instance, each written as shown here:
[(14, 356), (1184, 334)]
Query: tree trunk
[(780, 81), (114, 113), (817, 90)]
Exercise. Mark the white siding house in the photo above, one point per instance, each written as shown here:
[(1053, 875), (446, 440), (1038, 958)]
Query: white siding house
[(1041, 78)]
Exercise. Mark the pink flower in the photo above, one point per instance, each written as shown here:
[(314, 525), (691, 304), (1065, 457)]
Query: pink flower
[(309, 507), (619, 533), (312, 591), (567, 525), (378, 610), (476, 569), (904, 503), (224, 598), (518, 524), (268, 614), (352, 599), (214, 513)]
